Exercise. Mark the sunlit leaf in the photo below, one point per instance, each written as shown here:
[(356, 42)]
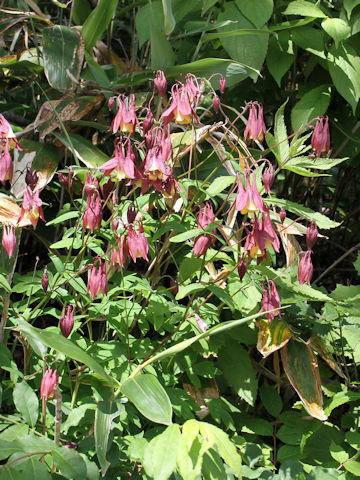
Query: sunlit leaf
[(272, 336)]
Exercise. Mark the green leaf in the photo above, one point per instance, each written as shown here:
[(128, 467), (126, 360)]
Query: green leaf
[(235, 363), (169, 20), (26, 402), (188, 267), (160, 454), (316, 163), (105, 413), (272, 336), (69, 462), (337, 29), (219, 185), (301, 368), (259, 13), (182, 237), (247, 49), (279, 57), (97, 22), (185, 290), (190, 451), (63, 51), (63, 218), (85, 151), (32, 468), (340, 398), (67, 243), (349, 5), (63, 345), (304, 9), (344, 68), (337, 452), (280, 135), (271, 399), (4, 283), (321, 220), (314, 103), (81, 10), (162, 55), (353, 467), (149, 397)]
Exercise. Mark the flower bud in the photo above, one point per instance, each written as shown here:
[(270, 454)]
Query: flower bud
[(111, 103), (201, 324), (222, 84), (268, 177), (160, 83), (148, 122), (320, 140), (131, 214), (174, 287), (49, 381), (282, 215), (9, 239), (305, 268), (242, 267), (216, 103), (311, 235), (45, 281), (67, 320), (31, 179)]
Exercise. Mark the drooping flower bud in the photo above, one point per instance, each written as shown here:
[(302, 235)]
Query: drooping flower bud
[(242, 267), (45, 281), (48, 383), (222, 84), (160, 83), (67, 320), (270, 301), (311, 235), (282, 215), (305, 268), (97, 280), (320, 140), (131, 214), (201, 324), (216, 103), (148, 122), (174, 286), (9, 239), (268, 177), (111, 102)]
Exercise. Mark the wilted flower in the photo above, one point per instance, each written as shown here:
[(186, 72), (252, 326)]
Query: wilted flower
[(268, 177), (305, 268), (160, 83), (48, 383), (320, 140), (311, 235), (45, 281), (31, 208), (125, 120), (65, 179), (248, 200), (270, 301), (9, 239), (67, 320), (255, 128), (201, 324)]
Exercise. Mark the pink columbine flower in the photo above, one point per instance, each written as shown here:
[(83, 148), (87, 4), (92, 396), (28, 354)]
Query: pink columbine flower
[(121, 252), (7, 136), (268, 177), (93, 212), (45, 281), (31, 178), (216, 103), (121, 165), (183, 97), (305, 268), (97, 280), (320, 140), (255, 128), (248, 200), (261, 237), (282, 215), (131, 214), (6, 165), (270, 301), (137, 244), (9, 239), (311, 235), (48, 383), (67, 320), (31, 208), (148, 122), (125, 120), (201, 324), (91, 184), (205, 241), (160, 83)]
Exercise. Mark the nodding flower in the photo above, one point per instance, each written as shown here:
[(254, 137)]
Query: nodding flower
[(93, 212), (48, 383), (9, 239), (261, 238), (201, 324), (222, 85), (7, 136), (125, 120), (205, 241), (270, 301), (311, 235), (268, 177), (160, 83), (255, 127), (67, 320), (184, 96), (248, 200), (97, 280), (320, 140), (45, 281), (121, 165), (137, 244), (306, 268), (31, 208), (6, 165)]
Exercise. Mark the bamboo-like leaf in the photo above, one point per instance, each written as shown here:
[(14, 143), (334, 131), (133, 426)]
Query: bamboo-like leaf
[(97, 22), (105, 413), (272, 336), (319, 347), (301, 368)]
